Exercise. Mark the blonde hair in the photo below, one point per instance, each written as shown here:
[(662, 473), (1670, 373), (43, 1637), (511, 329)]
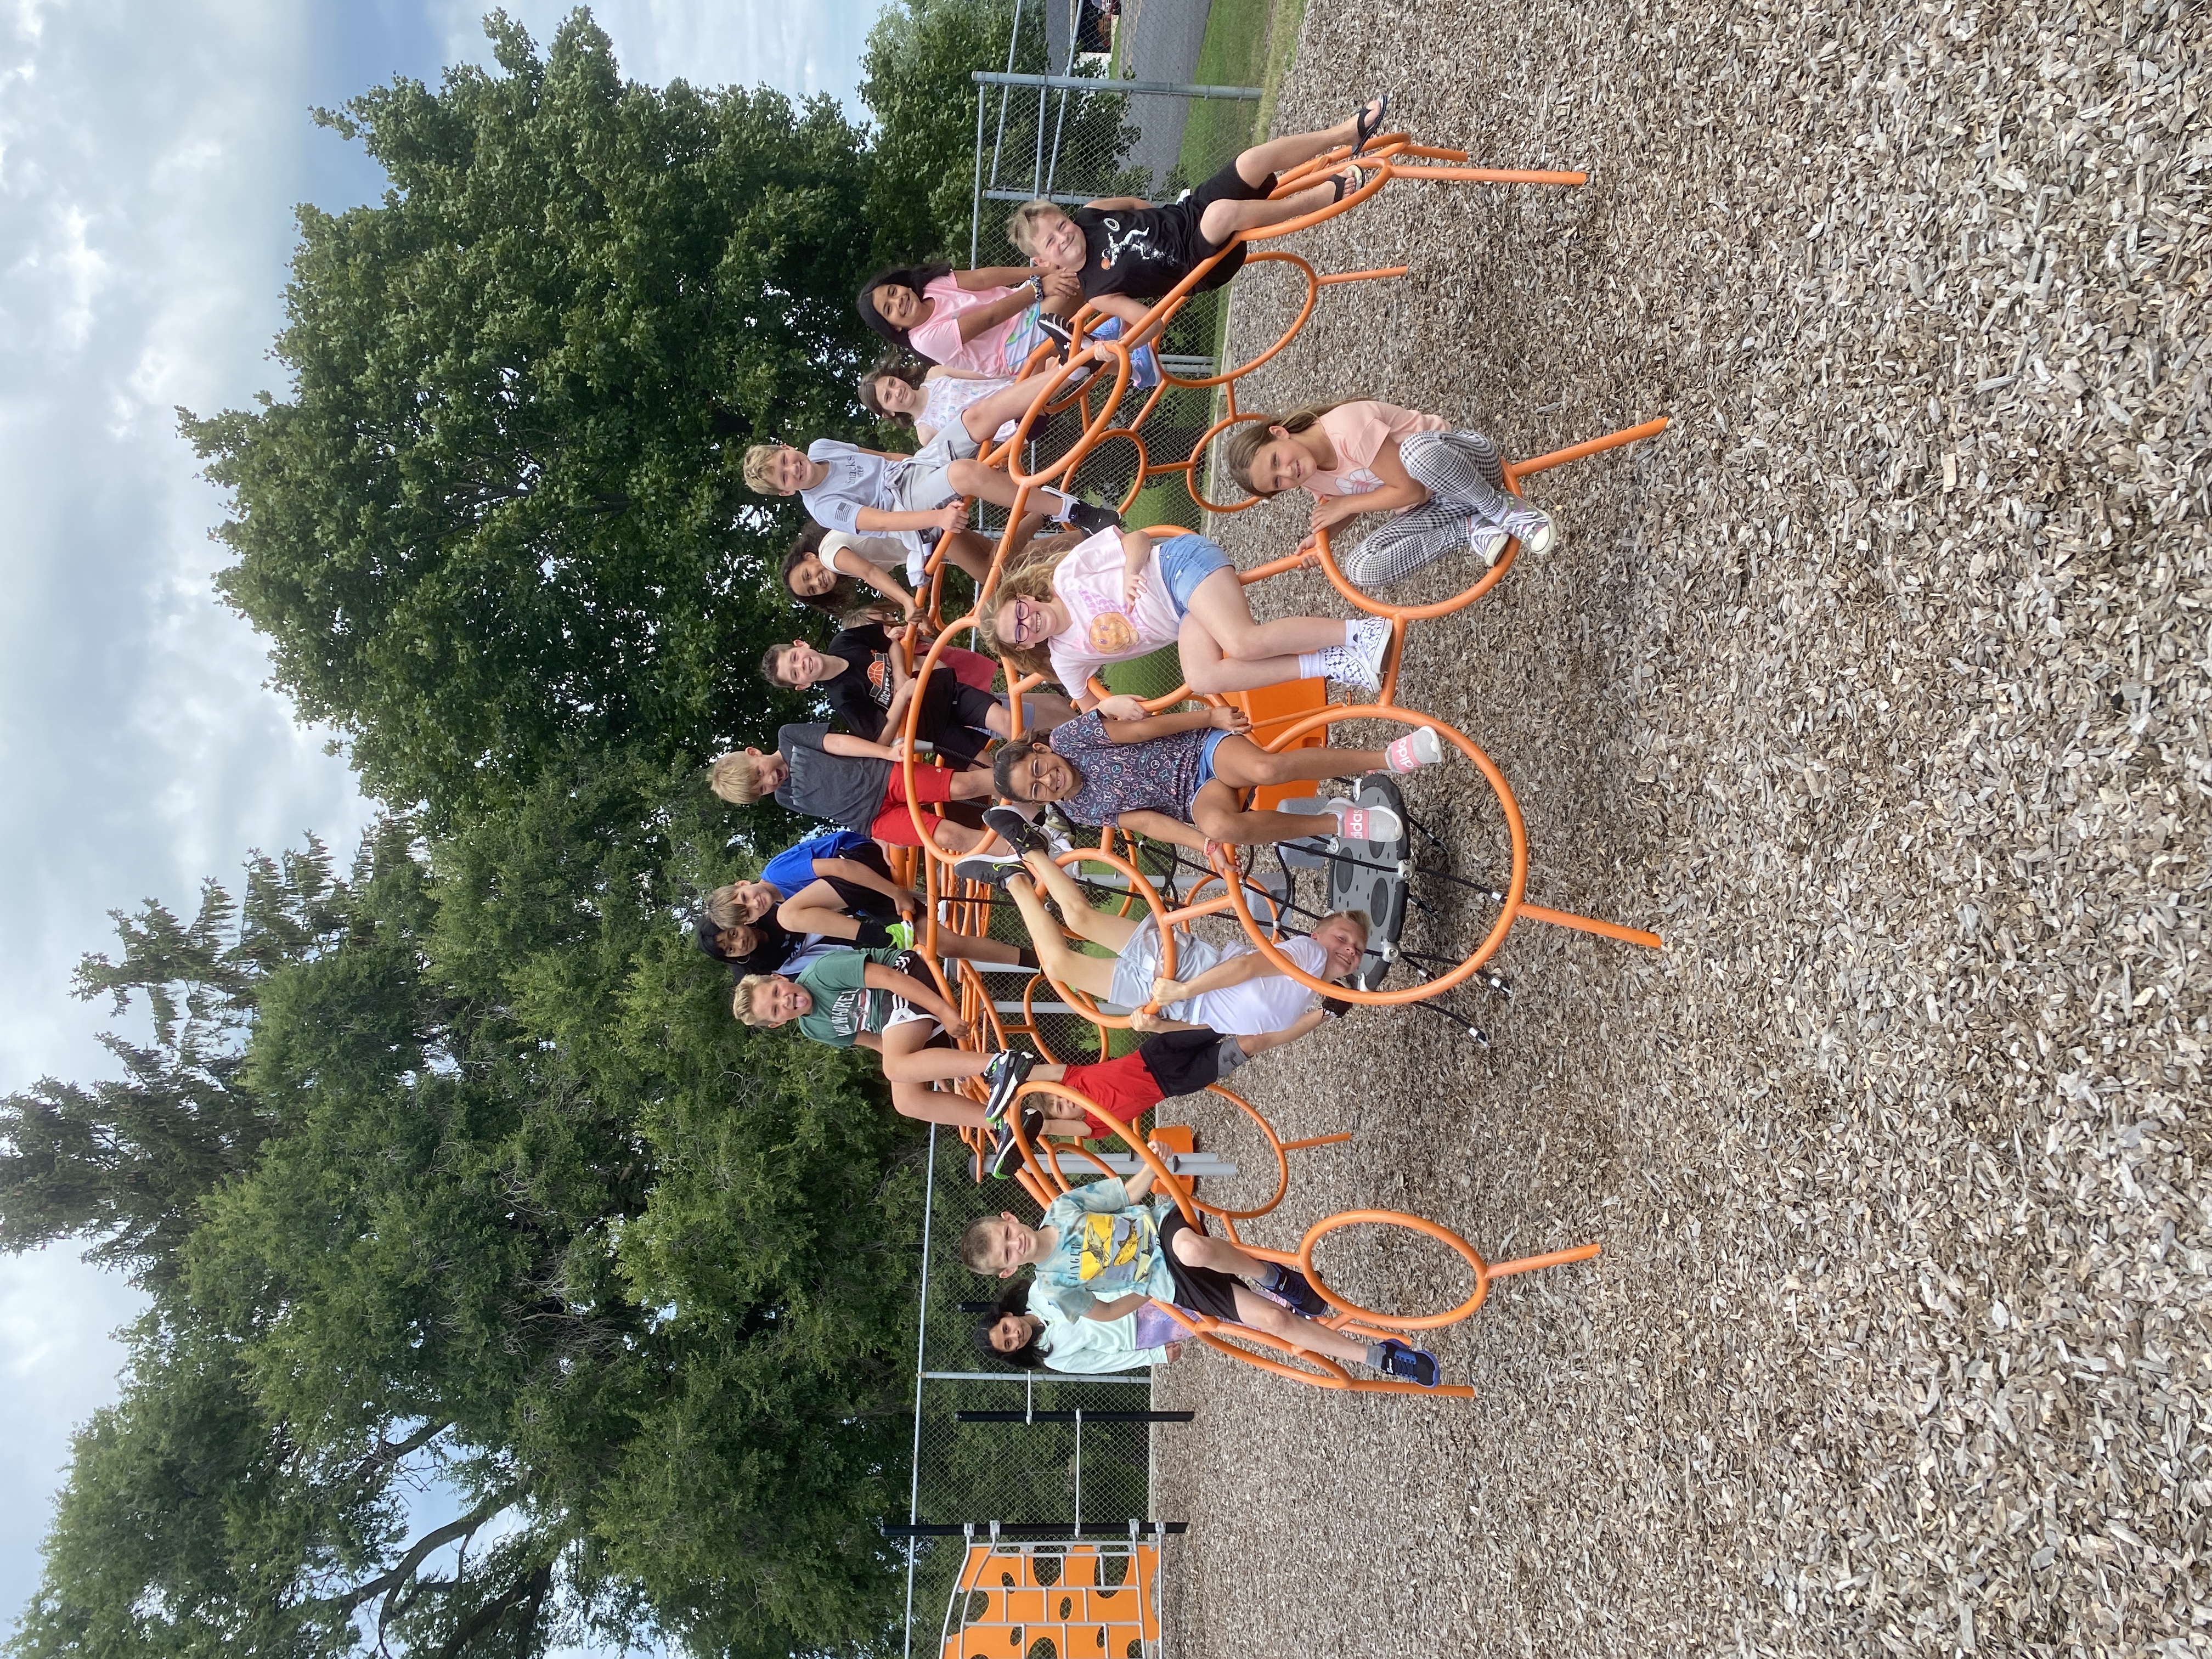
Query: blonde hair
[(1027, 576), (759, 457), (1244, 442), (741, 1000), (722, 908), (1020, 225), (736, 779)]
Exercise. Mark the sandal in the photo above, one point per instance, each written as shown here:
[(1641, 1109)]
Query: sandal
[(1363, 128), (1343, 189)]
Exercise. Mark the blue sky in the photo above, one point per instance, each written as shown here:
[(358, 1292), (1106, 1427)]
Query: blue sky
[(150, 157)]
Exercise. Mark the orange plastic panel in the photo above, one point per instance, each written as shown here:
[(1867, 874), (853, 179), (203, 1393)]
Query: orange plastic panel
[(1270, 708)]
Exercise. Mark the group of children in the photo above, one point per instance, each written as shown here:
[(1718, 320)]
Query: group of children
[(821, 939)]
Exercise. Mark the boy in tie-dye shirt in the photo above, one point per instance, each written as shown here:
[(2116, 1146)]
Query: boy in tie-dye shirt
[(1102, 1252)]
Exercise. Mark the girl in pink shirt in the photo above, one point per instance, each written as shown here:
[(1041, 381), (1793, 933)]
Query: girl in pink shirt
[(986, 321), (1073, 603), (1444, 490)]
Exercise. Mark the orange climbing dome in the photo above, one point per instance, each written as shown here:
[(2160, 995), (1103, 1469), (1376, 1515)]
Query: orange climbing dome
[(1055, 1600)]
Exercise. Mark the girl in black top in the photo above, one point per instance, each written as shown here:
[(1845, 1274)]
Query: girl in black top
[(865, 680)]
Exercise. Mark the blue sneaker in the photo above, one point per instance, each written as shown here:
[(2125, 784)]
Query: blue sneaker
[(1409, 1364), (1297, 1291)]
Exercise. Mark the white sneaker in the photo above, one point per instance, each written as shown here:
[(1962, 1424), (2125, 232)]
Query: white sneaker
[(1367, 642), (1356, 823)]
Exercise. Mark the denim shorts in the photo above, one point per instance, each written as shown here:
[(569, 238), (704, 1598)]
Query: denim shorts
[(1185, 561), (1205, 758)]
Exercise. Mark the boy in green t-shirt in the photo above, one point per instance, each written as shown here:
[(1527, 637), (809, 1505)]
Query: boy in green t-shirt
[(883, 999)]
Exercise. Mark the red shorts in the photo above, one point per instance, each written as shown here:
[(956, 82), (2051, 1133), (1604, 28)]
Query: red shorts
[(1124, 1088), (971, 667), (894, 824)]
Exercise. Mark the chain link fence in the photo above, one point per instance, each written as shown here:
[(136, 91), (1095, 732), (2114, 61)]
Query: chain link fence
[(1034, 1470), (1081, 132)]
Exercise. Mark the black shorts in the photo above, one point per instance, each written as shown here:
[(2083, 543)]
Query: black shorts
[(1154, 248), (1202, 1290), (956, 717), (1183, 1062)]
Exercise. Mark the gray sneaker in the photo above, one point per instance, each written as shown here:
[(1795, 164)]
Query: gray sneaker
[(991, 869), (1484, 540), (1532, 526)]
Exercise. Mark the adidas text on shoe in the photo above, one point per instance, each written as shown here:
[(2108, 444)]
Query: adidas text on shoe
[(1366, 823), (1417, 748)]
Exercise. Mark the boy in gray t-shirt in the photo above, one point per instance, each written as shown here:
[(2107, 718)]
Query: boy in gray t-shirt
[(865, 491)]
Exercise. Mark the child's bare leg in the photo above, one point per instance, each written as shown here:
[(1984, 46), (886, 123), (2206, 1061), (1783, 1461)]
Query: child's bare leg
[(1197, 1250), (975, 783), (1280, 154), (966, 947), (1242, 764), (1256, 1310), (1099, 926), (971, 478), (906, 1059), (1214, 810), (1092, 975), (928, 1105), (1042, 711), (1222, 220), (959, 840), (966, 551)]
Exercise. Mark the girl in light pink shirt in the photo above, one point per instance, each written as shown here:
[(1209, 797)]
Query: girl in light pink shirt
[(1074, 604), (1444, 490), (986, 321)]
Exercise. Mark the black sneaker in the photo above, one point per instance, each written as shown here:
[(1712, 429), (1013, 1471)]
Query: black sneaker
[(1017, 831), (991, 869), (1414, 1365), (1091, 519), (1297, 1291), (1058, 330), (1008, 1068), (1003, 1146)]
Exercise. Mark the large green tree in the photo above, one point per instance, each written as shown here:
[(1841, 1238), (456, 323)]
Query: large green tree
[(485, 1190), (500, 508)]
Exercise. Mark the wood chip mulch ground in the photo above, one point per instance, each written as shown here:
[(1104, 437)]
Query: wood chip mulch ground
[(1879, 686)]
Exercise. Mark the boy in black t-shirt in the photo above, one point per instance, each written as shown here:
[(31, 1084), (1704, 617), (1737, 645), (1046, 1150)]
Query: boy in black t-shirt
[(866, 683), (1128, 253)]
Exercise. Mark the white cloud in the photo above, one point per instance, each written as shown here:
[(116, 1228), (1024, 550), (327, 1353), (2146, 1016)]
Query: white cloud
[(149, 159), (800, 49)]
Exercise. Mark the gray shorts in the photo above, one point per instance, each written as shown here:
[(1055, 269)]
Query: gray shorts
[(920, 486), (1139, 965)]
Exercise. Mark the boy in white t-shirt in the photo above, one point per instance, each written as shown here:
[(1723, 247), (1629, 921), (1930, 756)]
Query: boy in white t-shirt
[(1232, 989)]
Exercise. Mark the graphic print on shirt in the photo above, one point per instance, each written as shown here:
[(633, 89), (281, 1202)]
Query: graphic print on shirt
[(848, 1014), (1110, 633), (1109, 1247), (880, 686), (1357, 482), (1118, 240)]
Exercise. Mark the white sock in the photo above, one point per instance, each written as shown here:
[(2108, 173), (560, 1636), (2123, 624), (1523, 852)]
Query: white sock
[(1313, 666)]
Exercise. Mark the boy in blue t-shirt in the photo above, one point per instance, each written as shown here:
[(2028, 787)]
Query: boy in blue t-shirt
[(1102, 1252)]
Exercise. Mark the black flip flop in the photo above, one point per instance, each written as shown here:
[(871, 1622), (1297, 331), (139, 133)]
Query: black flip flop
[(1363, 128), (1343, 189)]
